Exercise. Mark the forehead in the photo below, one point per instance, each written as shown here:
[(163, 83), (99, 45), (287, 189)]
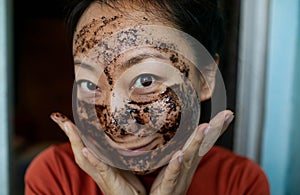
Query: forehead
[(105, 32), (99, 21)]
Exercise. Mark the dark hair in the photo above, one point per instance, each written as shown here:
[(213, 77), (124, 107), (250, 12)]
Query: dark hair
[(199, 18)]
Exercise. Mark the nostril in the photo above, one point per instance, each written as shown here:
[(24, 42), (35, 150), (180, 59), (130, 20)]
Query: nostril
[(131, 128), (123, 132), (139, 120), (136, 116), (146, 110)]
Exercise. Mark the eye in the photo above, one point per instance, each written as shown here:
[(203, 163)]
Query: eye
[(144, 80), (87, 86)]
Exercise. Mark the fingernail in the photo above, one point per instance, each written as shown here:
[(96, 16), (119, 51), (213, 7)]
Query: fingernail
[(66, 128), (180, 156), (228, 119), (206, 131), (58, 117), (85, 152)]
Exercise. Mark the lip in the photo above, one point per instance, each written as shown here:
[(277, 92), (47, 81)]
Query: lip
[(136, 151), (130, 141)]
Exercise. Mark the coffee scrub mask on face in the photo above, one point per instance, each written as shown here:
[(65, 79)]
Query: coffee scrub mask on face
[(142, 102)]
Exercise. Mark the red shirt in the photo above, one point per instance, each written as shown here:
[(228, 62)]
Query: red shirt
[(55, 171)]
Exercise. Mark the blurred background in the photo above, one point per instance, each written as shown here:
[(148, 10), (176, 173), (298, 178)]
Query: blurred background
[(259, 66)]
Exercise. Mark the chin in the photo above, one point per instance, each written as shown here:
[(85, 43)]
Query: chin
[(148, 172)]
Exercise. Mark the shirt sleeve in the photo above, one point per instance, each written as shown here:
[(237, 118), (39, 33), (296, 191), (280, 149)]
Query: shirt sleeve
[(223, 172), (54, 171), (42, 175), (251, 179)]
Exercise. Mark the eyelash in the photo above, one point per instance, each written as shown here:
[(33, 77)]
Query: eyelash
[(94, 87), (90, 87), (153, 80)]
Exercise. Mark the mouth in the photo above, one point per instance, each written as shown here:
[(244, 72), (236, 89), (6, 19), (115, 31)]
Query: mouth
[(135, 146), (140, 149)]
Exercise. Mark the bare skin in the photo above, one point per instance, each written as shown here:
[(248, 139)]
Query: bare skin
[(173, 179), (96, 24)]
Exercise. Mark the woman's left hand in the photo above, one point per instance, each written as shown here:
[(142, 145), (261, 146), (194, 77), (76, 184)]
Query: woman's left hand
[(177, 176)]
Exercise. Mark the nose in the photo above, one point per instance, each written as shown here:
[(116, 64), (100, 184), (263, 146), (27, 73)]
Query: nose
[(138, 122), (139, 116)]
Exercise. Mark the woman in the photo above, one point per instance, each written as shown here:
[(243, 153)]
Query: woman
[(114, 42)]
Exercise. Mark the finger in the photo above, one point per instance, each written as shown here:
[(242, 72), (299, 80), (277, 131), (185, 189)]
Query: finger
[(133, 180), (191, 147), (59, 119), (216, 127), (69, 128), (102, 172), (170, 177), (95, 162), (71, 131), (228, 119), (110, 179), (221, 121)]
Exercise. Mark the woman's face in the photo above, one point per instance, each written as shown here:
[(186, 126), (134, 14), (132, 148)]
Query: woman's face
[(131, 82)]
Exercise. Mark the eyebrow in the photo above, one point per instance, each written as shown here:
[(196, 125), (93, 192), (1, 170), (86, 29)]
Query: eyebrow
[(127, 64), (138, 59), (85, 66)]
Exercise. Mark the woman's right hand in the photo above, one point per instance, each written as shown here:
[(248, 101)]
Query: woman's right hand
[(110, 180)]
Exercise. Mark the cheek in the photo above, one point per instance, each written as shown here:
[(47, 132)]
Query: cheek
[(161, 115), (166, 112), (93, 114), (99, 118)]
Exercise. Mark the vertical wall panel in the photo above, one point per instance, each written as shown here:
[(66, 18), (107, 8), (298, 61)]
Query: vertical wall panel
[(4, 151), (293, 176), (251, 77), (280, 100)]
